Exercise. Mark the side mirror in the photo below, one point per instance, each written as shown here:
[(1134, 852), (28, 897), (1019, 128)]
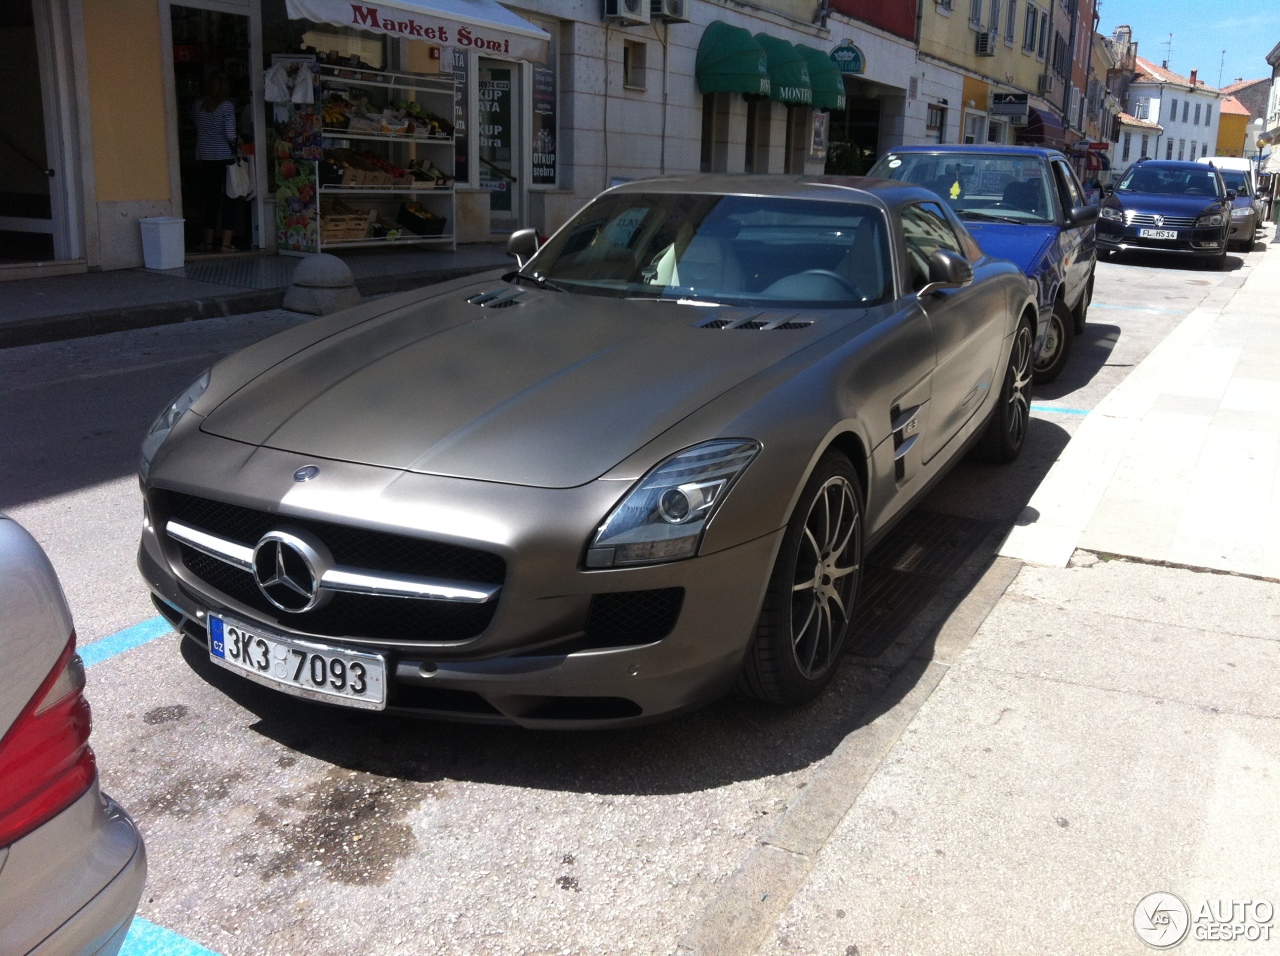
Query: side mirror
[(947, 270), (522, 245), (1108, 189), (1082, 215)]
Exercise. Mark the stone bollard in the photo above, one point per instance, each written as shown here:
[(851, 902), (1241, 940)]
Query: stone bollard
[(321, 284)]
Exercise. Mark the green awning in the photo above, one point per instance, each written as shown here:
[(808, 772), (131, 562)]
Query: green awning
[(731, 61), (825, 78), (788, 72)]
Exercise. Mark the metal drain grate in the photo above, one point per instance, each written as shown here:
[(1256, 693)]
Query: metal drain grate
[(905, 571)]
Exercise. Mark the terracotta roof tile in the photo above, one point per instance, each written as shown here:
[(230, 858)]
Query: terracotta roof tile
[(1237, 87), (1162, 75), (1128, 120), (1232, 105)]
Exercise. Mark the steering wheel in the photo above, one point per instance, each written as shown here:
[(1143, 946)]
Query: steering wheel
[(830, 274)]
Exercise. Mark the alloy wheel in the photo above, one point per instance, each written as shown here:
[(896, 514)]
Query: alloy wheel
[(826, 577), (1019, 386)]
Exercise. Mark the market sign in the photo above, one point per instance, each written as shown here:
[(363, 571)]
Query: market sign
[(1009, 104), (480, 25), (848, 58)]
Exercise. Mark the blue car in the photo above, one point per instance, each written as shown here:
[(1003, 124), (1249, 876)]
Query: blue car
[(1163, 205), (1021, 203)]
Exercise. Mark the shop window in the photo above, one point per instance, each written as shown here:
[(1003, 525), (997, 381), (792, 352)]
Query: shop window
[(715, 133), (759, 119), (634, 57), (974, 128), (996, 132)]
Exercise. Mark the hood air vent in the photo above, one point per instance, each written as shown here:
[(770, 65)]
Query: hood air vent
[(497, 298), (757, 322)]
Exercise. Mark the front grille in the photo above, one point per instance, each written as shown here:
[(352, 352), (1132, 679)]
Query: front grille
[(1173, 222), (346, 615), (633, 617)]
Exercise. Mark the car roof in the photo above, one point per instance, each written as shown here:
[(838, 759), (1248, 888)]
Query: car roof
[(989, 149), (885, 193), (1171, 164)]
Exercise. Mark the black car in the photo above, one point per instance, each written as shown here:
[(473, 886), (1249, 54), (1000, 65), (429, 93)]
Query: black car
[(1168, 206)]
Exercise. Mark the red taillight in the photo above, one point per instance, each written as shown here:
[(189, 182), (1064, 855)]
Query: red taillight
[(45, 760)]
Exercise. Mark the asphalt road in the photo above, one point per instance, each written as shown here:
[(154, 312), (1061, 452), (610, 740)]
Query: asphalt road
[(275, 826)]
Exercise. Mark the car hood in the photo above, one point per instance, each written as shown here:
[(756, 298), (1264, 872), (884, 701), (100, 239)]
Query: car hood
[(1022, 245), (553, 391)]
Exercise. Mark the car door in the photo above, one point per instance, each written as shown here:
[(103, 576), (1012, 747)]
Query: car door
[(965, 324), (1077, 241)]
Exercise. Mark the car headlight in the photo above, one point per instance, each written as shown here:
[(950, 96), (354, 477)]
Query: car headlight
[(1243, 212), (663, 517), (1110, 212), (1213, 219), (169, 417)]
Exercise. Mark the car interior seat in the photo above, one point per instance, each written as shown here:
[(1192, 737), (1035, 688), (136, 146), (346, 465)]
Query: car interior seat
[(709, 264), (1025, 196)]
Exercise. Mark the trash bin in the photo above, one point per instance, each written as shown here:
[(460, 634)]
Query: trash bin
[(162, 242)]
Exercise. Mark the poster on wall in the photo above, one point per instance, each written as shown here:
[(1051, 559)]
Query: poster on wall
[(818, 138), (493, 94), (462, 172), (544, 125)]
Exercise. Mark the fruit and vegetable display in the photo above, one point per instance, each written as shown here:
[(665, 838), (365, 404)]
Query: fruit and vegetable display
[(296, 228), (361, 115)]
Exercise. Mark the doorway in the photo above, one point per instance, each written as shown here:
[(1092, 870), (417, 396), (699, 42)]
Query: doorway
[(26, 196), (501, 142), (208, 44), (854, 137)]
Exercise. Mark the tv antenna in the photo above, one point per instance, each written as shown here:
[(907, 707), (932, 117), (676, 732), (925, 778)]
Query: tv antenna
[(1168, 50), (1220, 64)]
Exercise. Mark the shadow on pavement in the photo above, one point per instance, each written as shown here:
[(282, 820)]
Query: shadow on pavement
[(1089, 353), (727, 741)]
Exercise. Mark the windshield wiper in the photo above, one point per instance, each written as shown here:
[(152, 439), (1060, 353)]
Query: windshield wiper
[(540, 281), (974, 214)]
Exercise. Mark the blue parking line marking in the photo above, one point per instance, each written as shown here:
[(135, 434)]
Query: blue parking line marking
[(145, 938), (100, 650), (1058, 409), (1136, 308)]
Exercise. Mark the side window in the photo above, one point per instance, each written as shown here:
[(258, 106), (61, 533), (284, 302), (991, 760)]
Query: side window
[(1068, 189), (925, 229)]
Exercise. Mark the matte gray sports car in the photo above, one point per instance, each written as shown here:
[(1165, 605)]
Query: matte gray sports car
[(609, 486)]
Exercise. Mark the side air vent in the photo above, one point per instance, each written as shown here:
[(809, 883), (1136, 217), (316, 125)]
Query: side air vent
[(790, 326), (497, 298), (715, 324)]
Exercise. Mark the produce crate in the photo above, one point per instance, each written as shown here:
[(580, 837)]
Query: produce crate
[(342, 222), (420, 225)]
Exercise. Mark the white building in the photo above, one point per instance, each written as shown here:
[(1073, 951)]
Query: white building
[(1187, 109)]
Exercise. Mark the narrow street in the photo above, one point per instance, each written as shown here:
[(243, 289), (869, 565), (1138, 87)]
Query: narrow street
[(275, 826)]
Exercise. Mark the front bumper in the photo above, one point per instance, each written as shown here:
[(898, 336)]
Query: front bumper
[(536, 663), (73, 885), (1122, 237), (1242, 230)]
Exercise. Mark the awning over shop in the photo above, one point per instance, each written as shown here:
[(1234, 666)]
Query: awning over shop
[(481, 25), (825, 78), (1043, 129), (731, 61), (788, 72)]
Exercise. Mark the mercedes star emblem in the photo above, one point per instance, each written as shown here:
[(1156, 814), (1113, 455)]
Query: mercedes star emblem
[(306, 473), (288, 565)]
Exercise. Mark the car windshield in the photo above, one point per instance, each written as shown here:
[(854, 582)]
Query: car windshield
[(1171, 180), (1235, 179), (720, 248), (978, 186)]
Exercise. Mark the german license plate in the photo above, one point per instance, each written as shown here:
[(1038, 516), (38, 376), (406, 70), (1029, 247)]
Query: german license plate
[(1158, 233), (315, 671)]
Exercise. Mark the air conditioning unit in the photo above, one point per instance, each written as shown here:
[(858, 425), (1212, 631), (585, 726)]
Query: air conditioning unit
[(631, 12), (1045, 84), (986, 44), (673, 11)]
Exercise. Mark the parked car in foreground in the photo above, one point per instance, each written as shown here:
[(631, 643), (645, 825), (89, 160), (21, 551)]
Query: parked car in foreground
[(1247, 209), (608, 486), (1168, 206), (1025, 204), (72, 864)]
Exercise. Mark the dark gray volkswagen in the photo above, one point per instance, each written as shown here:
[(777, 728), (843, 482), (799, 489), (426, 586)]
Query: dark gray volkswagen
[(639, 470), (1022, 203)]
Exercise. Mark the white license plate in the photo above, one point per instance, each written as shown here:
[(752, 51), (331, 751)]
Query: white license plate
[(1158, 233), (316, 671)]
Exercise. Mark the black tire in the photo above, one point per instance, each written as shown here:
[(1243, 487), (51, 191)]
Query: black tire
[(1006, 430), (1049, 364), (807, 608), (1081, 312)]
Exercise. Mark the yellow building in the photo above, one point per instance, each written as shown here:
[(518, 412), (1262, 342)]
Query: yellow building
[(1233, 127)]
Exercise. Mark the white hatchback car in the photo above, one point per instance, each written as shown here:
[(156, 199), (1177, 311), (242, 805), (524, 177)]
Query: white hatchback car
[(72, 863)]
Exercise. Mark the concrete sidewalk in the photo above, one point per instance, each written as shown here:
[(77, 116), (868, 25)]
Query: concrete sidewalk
[(1097, 721), (63, 307)]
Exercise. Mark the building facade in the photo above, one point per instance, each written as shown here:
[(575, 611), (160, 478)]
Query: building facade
[(1188, 110)]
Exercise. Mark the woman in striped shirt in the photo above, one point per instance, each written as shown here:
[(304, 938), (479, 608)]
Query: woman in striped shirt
[(215, 121)]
